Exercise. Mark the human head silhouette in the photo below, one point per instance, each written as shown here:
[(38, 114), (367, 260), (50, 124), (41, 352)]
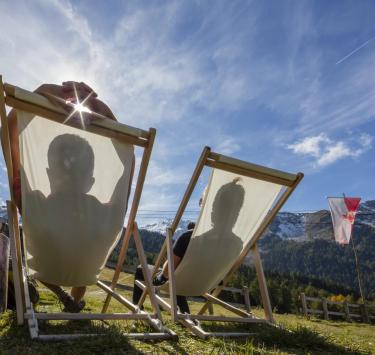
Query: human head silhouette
[(70, 164), (191, 225), (227, 205)]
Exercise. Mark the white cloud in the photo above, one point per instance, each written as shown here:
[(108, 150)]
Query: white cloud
[(227, 145), (158, 175), (332, 152), (310, 145), (325, 151)]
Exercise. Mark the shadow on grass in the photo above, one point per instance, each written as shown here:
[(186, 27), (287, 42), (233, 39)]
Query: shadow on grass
[(298, 340), (111, 338), (16, 339), (111, 335)]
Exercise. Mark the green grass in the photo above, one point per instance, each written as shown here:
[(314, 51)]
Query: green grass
[(295, 334)]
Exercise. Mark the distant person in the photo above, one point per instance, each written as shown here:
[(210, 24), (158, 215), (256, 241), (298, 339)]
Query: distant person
[(70, 171), (179, 250)]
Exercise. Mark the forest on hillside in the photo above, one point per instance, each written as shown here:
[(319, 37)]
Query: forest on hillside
[(316, 267), (325, 259)]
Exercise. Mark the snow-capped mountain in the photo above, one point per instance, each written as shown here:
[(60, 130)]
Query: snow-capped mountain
[(287, 225), (367, 213), (162, 225)]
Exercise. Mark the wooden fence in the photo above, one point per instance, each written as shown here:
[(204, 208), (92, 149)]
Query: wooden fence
[(349, 311), (245, 293)]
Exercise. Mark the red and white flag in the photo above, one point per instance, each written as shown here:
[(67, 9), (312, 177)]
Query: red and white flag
[(343, 211)]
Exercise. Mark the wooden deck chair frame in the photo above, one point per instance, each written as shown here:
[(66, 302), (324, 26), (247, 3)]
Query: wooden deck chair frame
[(18, 98), (191, 321)]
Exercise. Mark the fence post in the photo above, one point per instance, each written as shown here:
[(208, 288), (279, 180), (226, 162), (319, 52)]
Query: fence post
[(364, 311), (346, 311), (304, 305), (325, 308), (4, 264), (246, 295)]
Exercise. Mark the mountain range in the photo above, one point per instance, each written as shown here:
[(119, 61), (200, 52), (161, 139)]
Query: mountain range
[(303, 243), (290, 226)]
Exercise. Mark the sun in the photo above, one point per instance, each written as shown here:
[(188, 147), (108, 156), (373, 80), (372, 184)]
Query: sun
[(79, 107)]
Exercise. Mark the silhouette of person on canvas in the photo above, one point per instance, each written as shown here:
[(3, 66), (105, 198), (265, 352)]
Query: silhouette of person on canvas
[(225, 210), (226, 207), (65, 235), (220, 245)]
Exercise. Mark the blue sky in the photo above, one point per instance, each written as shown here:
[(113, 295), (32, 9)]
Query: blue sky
[(286, 84)]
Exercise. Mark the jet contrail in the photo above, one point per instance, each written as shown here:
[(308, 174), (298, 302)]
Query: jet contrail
[(356, 50)]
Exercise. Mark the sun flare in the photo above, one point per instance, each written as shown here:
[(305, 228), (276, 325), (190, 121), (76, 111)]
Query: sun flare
[(81, 108)]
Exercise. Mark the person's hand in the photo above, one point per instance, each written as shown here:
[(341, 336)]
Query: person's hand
[(78, 92), (73, 90), (159, 279), (86, 95), (68, 95)]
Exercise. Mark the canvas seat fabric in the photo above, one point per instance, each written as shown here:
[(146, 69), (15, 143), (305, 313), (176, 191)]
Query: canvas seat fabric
[(233, 208), (75, 187)]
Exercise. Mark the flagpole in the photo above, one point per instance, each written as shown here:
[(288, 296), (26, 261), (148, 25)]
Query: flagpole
[(357, 264), (358, 269)]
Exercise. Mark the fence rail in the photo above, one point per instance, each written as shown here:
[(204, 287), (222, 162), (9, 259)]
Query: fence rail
[(366, 312)]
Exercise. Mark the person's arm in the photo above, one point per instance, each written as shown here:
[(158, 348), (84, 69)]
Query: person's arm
[(176, 262), (163, 275), (51, 89), (99, 107), (179, 250), (74, 90)]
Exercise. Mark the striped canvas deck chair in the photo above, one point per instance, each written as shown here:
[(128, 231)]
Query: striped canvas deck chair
[(239, 203), (75, 186)]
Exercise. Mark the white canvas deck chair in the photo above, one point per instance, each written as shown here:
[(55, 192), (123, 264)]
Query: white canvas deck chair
[(75, 187), (239, 203)]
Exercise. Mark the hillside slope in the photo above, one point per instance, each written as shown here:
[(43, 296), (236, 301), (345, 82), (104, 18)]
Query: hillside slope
[(303, 243)]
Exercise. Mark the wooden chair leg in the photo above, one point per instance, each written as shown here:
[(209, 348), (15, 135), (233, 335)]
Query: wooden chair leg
[(146, 272), (172, 284), (16, 265), (262, 284)]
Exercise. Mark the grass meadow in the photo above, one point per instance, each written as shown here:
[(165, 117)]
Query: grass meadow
[(294, 334)]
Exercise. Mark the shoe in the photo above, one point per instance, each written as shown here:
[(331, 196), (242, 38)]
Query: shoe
[(71, 306), (159, 279)]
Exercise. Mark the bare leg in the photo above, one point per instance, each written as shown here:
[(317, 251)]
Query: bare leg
[(71, 303), (78, 292)]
